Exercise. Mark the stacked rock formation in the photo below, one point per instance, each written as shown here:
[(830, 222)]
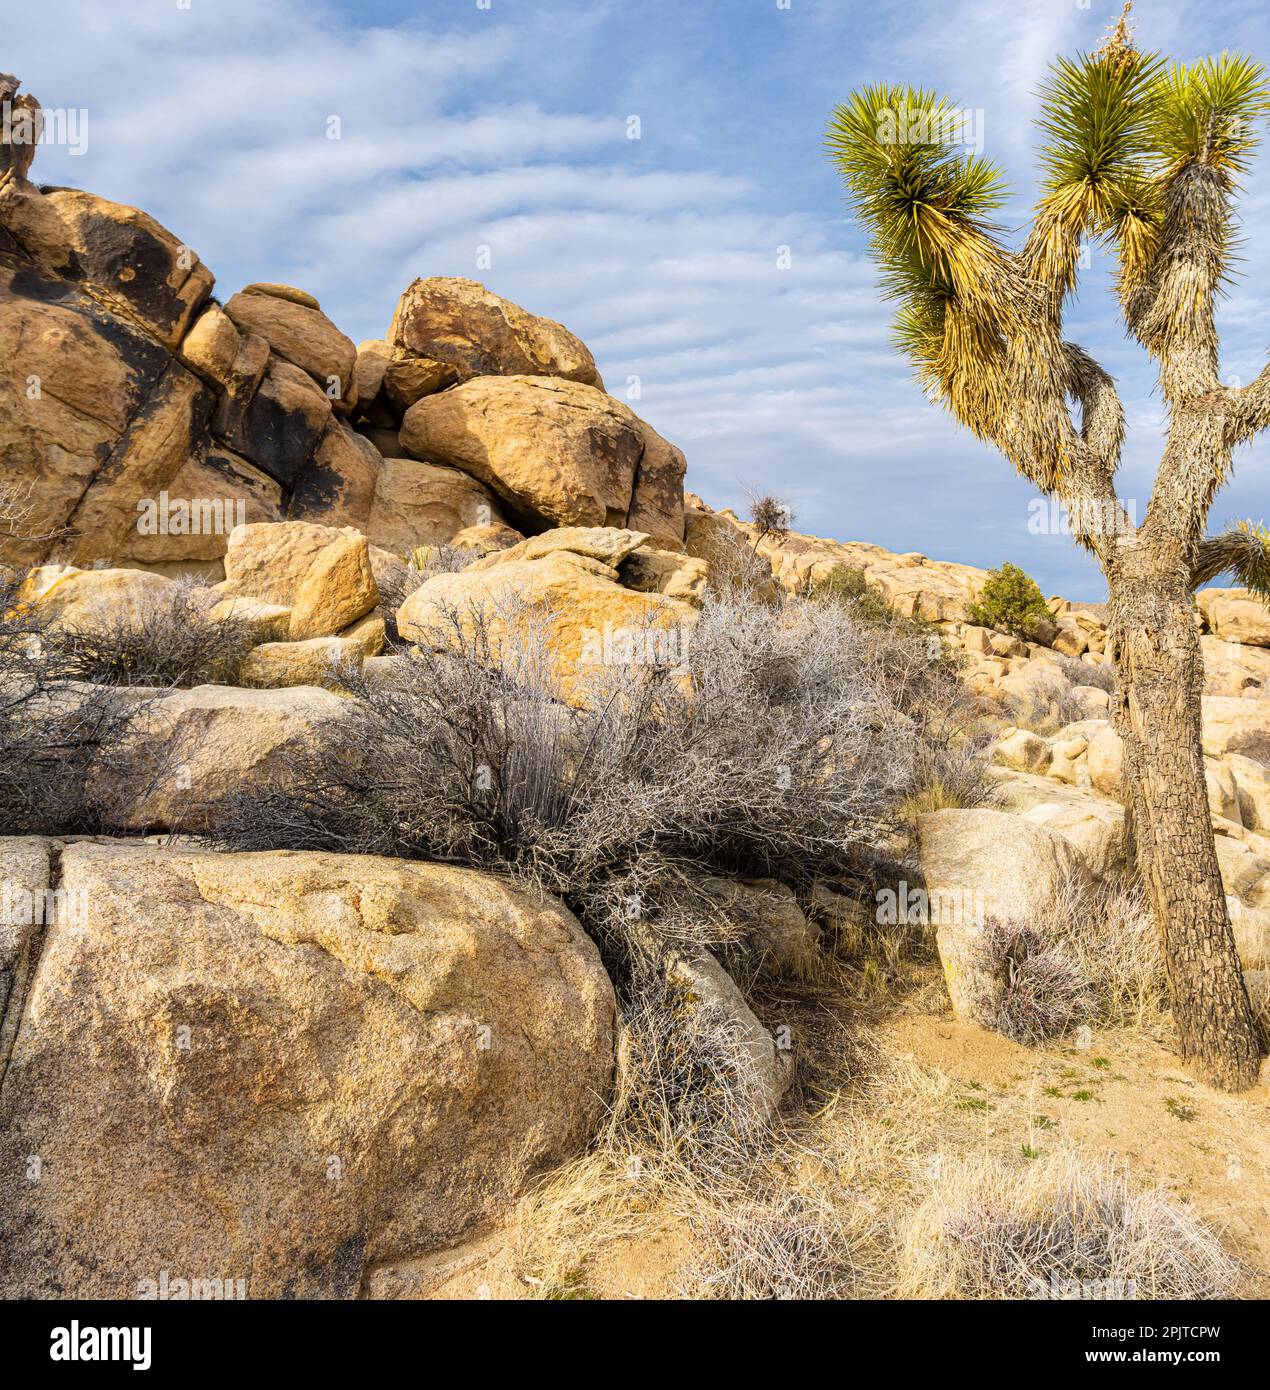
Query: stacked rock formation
[(129, 392)]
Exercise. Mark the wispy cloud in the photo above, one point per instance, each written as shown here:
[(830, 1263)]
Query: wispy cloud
[(707, 263)]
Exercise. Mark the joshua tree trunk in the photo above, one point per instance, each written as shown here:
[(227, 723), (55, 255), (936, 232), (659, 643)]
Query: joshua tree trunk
[(1160, 677)]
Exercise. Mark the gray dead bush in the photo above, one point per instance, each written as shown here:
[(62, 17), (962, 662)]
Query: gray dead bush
[(784, 744), (1063, 1227), (1039, 990), (1101, 677), (1092, 957), (164, 638), (56, 731)]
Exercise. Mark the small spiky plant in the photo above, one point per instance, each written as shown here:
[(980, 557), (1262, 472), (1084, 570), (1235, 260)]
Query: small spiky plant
[(1143, 158)]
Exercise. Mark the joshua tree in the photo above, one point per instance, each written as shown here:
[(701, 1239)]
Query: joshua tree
[(1140, 157)]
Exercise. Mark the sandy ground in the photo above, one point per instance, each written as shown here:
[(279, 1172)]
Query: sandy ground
[(1127, 1094), (944, 1090)]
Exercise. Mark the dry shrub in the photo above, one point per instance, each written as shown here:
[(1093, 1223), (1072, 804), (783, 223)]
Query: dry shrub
[(1101, 677), (1064, 1226), (55, 741), (1111, 934), (770, 516), (787, 1245), (166, 637), (429, 560), (1093, 957), (689, 1090), (1044, 715), (57, 733), (688, 1155), (1039, 989), (687, 1123), (780, 748)]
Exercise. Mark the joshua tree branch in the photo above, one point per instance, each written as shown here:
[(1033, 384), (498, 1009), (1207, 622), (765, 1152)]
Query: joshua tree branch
[(1240, 551), (1248, 409), (1087, 489)]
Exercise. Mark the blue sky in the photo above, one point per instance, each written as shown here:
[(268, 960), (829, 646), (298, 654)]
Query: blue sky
[(493, 141)]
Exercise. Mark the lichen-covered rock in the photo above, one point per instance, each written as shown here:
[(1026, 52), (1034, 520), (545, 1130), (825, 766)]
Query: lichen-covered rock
[(286, 1068)]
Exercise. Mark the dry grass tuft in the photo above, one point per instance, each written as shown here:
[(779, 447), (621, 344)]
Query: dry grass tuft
[(1040, 990), (785, 1245), (1063, 1227)]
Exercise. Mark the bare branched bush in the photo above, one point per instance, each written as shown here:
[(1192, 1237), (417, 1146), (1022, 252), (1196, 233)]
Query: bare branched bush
[(1045, 714), (429, 560), (1092, 957), (782, 744), (1038, 988), (1062, 1227), (1101, 677), (690, 1089), (770, 515), (56, 733), (164, 637)]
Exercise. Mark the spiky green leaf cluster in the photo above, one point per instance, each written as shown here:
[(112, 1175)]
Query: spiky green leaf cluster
[(927, 202), (924, 198), (1095, 123), (1208, 113), (1242, 550)]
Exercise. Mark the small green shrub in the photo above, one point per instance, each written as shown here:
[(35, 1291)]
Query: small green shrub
[(1011, 602), (847, 586)]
